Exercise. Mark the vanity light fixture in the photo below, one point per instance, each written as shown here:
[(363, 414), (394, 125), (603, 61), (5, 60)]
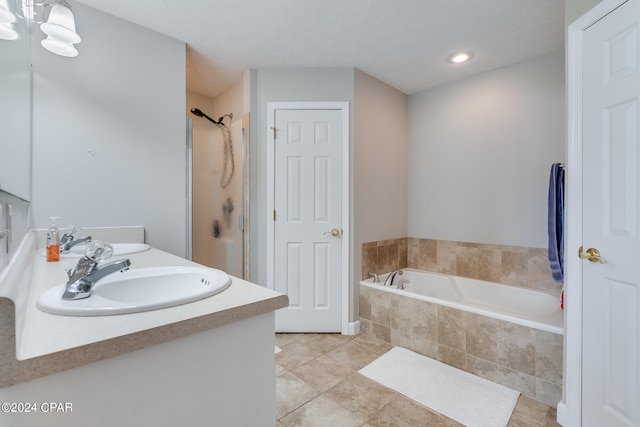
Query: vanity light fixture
[(460, 57), (7, 32), (60, 27)]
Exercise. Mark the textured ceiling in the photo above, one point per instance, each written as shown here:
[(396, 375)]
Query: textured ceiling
[(404, 43)]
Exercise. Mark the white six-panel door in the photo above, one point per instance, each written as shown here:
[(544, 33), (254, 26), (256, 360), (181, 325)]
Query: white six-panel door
[(308, 257), (611, 220)]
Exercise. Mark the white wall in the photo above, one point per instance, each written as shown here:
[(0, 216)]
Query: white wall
[(109, 130), (480, 151), (208, 195), (380, 164)]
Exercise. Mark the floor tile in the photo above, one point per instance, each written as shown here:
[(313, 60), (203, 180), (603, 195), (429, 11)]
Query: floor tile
[(323, 373), (531, 410), (353, 355), (284, 339), (325, 342), (552, 418), (291, 393), (280, 370), (317, 384), (321, 412), (404, 412), (361, 395), (295, 354), (519, 421)]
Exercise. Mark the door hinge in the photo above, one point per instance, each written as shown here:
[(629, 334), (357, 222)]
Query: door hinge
[(274, 133), (274, 215)]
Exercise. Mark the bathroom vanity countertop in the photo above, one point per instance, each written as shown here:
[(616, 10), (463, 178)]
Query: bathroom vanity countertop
[(44, 334)]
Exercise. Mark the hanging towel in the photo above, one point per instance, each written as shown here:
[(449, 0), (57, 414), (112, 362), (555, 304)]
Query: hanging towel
[(555, 222)]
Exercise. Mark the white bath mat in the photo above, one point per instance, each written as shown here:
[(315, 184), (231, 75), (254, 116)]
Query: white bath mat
[(466, 398)]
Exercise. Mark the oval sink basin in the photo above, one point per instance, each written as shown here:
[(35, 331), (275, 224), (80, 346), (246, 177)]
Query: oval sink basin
[(137, 290), (118, 249)]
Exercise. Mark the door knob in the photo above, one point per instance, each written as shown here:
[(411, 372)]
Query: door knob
[(335, 232), (592, 254)]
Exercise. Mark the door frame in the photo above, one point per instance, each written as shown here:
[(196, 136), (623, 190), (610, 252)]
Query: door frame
[(570, 408), (346, 187)]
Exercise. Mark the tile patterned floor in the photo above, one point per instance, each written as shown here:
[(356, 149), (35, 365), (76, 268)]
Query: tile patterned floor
[(317, 385)]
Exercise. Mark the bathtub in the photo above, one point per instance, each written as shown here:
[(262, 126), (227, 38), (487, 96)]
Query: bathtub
[(534, 309)]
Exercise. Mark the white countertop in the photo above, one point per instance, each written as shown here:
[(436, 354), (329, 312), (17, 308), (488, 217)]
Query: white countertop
[(44, 334)]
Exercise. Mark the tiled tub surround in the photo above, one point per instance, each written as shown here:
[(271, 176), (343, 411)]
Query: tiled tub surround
[(508, 265), (524, 358)]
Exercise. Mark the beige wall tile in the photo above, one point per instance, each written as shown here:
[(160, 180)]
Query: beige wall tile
[(481, 368), (445, 257), (548, 393), (427, 259), (425, 347), (401, 338), (516, 347), (425, 322), (549, 349), (539, 272), (364, 302), (481, 336), (525, 384), (402, 253), (381, 332), (451, 328), (489, 264), (383, 256), (403, 312), (467, 261), (380, 309), (413, 251), (514, 268), (452, 357)]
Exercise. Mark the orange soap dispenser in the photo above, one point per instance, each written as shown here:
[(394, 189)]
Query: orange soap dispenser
[(53, 241)]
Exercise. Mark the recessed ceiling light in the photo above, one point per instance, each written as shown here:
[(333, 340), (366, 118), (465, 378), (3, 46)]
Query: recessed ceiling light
[(461, 57)]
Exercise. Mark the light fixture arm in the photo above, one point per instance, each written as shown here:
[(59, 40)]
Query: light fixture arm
[(32, 11)]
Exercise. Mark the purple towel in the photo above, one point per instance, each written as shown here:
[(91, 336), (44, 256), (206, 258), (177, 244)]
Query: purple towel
[(555, 222)]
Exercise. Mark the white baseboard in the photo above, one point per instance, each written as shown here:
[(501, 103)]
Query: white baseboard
[(563, 416), (354, 328)]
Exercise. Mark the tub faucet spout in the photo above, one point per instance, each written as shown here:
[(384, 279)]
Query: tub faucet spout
[(391, 276)]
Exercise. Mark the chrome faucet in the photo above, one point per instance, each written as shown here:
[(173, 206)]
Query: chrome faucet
[(391, 276), (376, 279), (66, 244), (87, 272), (69, 238)]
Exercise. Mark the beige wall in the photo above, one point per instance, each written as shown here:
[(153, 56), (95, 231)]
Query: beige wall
[(573, 9), (379, 164)]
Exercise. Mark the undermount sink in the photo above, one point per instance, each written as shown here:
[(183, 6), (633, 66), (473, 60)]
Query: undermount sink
[(139, 290), (118, 249)]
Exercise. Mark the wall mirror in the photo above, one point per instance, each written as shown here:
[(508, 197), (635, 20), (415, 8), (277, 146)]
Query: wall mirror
[(15, 112)]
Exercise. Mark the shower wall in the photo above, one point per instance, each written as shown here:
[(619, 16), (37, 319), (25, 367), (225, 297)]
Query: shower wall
[(217, 197)]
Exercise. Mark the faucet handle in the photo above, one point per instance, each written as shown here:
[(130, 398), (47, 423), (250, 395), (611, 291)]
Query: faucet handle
[(70, 233), (98, 251)]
